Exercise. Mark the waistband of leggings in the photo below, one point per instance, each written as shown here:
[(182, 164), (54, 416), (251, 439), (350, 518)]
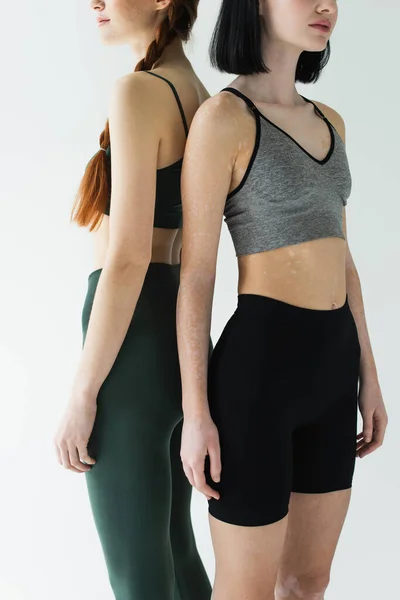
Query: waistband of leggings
[(154, 268), (259, 305)]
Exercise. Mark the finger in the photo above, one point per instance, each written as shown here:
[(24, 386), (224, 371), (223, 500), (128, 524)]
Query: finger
[(65, 459), (369, 448), (368, 426), (74, 460), (360, 435), (380, 425), (360, 446), (189, 473), (201, 484), (84, 455), (378, 436), (215, 463), (64, 456), (58, 453), (373, 445)]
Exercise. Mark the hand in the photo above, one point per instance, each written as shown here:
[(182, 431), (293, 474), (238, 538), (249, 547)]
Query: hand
[(73, 434), (374, 416), (199, 438)]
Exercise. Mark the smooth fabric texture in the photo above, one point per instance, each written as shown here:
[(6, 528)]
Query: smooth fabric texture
[(287, 196), (139, 494), (168, 205), (283, 393)]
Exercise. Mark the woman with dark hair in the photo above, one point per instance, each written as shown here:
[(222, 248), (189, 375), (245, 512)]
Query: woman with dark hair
[(269, 430), (123, 423)]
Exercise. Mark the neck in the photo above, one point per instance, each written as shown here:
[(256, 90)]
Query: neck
[(173, 52), (277, 86)]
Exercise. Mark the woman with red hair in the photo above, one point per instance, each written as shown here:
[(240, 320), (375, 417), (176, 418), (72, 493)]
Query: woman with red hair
[(122, 426)]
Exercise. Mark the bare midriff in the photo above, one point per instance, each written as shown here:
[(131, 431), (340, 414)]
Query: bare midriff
[(166, 245), (310, 275)]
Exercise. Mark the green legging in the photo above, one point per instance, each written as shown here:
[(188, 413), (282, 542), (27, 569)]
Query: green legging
[(138, 491)]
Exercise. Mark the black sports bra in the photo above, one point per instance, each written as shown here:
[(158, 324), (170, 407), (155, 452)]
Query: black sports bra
[(168, 205)]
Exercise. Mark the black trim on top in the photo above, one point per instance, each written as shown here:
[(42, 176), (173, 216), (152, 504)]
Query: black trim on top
[(317, 109), (178, 100), (317, 160), (254, 108), (239, 94)]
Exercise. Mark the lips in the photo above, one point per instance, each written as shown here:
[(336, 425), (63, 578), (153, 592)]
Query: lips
[(101, 20), (322, 25)]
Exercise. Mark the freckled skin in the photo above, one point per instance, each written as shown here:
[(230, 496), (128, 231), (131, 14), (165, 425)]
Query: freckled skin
[(311, 274), (134, 22), (128, 20), (296, 553)]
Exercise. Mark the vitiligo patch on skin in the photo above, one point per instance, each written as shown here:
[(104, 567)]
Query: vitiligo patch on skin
[(291, 586)]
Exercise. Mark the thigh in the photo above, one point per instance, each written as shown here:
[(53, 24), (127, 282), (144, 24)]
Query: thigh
[(247, 559), (324, 451), (250, 407), (314, 526), (191, 580), (130, 495), (323, 464), (130, 485)]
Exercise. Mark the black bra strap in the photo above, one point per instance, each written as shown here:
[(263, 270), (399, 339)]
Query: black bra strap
[(249, 103), (178, 100), (254, 108), (317, 110)]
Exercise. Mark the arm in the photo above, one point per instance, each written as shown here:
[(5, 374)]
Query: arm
[(371, 404), (134, 164), (206, 179), (133, 171)]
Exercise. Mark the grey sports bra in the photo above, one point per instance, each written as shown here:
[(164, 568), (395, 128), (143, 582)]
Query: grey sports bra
[(287, 196)]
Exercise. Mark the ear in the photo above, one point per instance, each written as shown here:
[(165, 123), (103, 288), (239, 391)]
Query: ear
[(162, 4)]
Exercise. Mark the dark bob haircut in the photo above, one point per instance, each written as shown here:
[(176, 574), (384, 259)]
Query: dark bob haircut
[(236, 44)]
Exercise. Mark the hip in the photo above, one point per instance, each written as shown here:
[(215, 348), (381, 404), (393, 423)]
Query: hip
[(155, 310), (273, 345)]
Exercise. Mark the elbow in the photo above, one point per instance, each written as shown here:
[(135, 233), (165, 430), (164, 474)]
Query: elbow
[(196, 285), (350, 265), (123, 264), (196, 276), (352, 277)]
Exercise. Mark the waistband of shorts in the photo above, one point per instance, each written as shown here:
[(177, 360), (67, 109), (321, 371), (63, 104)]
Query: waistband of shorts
[(259, 305)]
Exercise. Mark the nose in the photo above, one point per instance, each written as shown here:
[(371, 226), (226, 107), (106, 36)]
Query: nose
[(327, 6), (96, 4)]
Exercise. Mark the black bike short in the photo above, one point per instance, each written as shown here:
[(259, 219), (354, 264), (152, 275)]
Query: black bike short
[(283, 393)]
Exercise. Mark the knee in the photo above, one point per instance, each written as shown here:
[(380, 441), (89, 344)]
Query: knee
[(304, 587)]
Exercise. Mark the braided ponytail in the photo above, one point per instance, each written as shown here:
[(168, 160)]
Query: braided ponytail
[(94, 190)]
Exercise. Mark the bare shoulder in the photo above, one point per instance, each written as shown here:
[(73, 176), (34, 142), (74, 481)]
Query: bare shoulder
[(133, 90), (221, 116), (334, 117)]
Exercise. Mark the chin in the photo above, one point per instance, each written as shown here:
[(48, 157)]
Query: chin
[(317, 47), (108, 40)]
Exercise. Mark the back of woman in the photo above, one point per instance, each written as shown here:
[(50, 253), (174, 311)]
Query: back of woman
[(123, 423)]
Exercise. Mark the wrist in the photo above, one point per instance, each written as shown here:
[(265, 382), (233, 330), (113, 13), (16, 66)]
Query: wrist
[(85, 392), (198, 413), (368, 374), (370, 381)]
